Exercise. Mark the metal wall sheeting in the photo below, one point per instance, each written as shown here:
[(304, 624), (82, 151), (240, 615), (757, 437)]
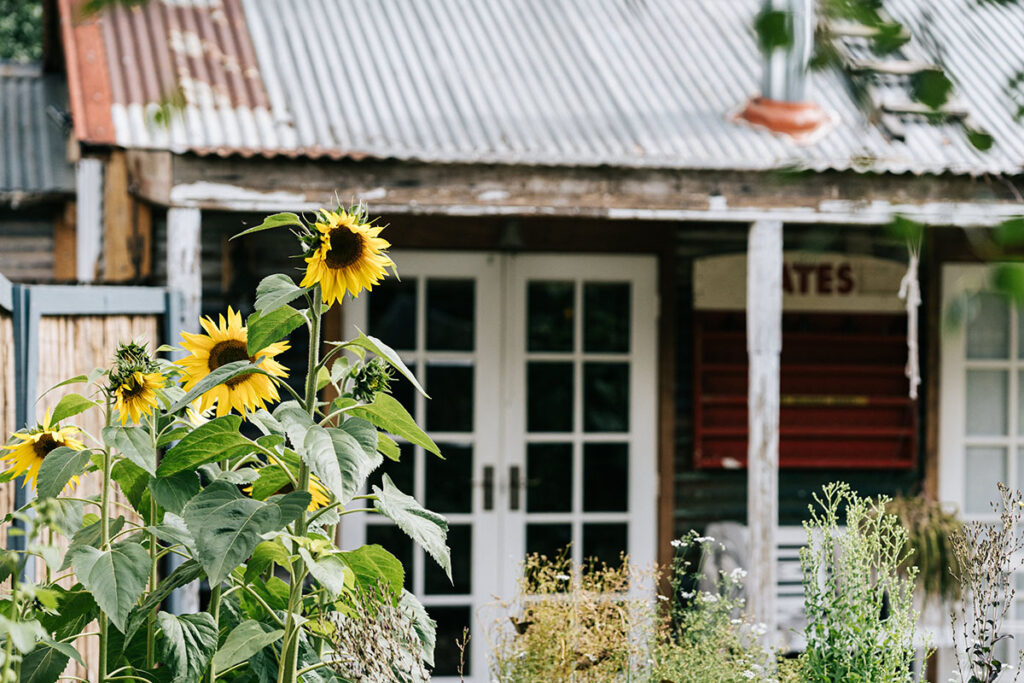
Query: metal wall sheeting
[(557, 82), (33, 150)]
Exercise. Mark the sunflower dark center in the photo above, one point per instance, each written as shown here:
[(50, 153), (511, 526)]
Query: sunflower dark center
[(44, 445), (228, 352), (132, 388), (346, 248)]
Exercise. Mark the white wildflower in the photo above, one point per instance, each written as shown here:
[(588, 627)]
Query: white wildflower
[(562, 577)]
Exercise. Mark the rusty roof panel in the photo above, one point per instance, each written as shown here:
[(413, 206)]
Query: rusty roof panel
[(643, 83)]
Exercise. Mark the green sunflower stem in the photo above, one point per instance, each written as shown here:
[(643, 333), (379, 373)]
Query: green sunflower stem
[(153, 557), (287, 673), (108, 460)]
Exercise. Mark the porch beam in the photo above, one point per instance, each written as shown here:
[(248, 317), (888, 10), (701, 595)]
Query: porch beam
[(89, 218), (764, 344), (184, 273)]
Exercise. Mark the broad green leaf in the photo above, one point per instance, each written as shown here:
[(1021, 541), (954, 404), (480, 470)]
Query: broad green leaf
[(90, 535), (329, 571), (167, 438), (275, 291), (173, 492), (372, 564), (354, 464), (134, 443), (184, 574), (47, 662), (218, 439), (174, 532), (266, 328), (227, 526), (774, 29), (265, 554), (134, 482), (187, 643), (295, 420), (243, 642), (428, 529), (278, 220), (364, 432), (70, 405), (218, 376), (387, 447), (291, 505), (22, 634), (425, 627), (388, 414), (67, 517), (378, 347), (116, 577), (76, 608), (271, 441), (931, 87), (318, 452), (267, 423), (58, 468), (272, 479)]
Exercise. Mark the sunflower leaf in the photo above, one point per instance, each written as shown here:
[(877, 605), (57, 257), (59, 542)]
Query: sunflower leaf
[(278, 220), (275, 291), (388, 414), (227, 526), (116, 577), (318, 452), (70, 405), (329, 571), (184, 574), (243, 642), (173, 493), (355, 461), (266, 328), (218, 439), (134, 443), (46, 663), (265, 554), (58, 468), (187, 643), (133, 481), (219, 376), (387, 447), (378, 347), (372, 564), (425, 627), (428, 529)]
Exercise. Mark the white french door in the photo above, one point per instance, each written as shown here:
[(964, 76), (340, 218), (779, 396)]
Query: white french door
[(541, 371)]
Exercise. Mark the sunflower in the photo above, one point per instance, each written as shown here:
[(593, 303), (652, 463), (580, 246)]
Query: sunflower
[(136, 395), (26, 456), (350, 256), (223, 343)]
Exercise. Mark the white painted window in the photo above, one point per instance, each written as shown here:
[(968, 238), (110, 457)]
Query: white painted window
[(542, 372)]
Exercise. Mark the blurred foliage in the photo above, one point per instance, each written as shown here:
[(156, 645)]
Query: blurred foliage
[(774, 29), (21, 30)]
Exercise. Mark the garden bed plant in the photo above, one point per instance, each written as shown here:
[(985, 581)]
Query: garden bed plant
[(244, 479)]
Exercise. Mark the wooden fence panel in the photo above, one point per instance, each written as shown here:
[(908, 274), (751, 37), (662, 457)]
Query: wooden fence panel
[(70, 346)]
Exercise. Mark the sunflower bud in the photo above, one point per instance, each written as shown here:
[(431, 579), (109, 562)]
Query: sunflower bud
[(372, 378)]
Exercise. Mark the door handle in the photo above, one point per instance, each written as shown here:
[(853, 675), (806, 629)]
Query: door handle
[(513, 487), (488, 487)]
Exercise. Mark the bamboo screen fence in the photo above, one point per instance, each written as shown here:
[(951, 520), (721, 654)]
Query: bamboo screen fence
[(69, 346)]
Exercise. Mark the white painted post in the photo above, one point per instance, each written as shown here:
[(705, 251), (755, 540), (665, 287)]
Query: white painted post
[(184, 275), (88, 219), (764, 343)]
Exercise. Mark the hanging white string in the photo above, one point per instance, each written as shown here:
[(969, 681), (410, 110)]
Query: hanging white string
[(910, 291)]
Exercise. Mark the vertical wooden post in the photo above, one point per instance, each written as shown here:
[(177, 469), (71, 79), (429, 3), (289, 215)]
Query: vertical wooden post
[(764, 343), (184, 258), (184, 277), (89, 223)]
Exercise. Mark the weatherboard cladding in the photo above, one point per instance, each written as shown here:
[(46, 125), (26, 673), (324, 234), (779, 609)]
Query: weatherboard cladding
[(634, 83), (33, 158)]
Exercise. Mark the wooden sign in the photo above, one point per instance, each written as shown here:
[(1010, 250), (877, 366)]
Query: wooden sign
[(811, 281)]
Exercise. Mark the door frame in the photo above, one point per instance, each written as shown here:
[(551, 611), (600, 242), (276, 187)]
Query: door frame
[(499, 435)]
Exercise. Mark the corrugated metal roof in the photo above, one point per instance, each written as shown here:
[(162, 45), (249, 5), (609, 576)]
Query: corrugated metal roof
[(33, 150), (636, 83)]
